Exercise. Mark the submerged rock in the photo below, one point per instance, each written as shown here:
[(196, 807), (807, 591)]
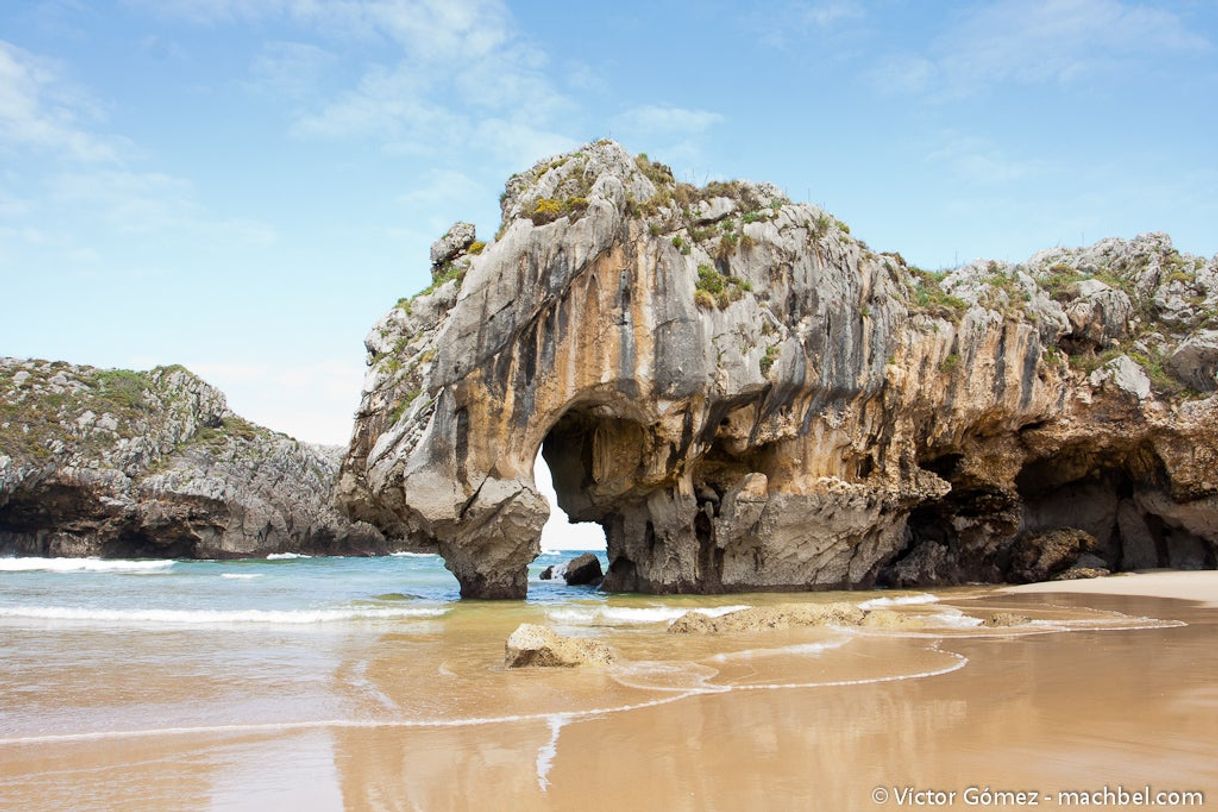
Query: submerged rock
[(1079, 573), (888, 619), (746, 396), (533, 645), (763, 618), (1004, 619), (583, 570), (122, 463)]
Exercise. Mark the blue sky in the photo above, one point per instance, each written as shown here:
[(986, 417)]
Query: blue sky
[(244, 186)]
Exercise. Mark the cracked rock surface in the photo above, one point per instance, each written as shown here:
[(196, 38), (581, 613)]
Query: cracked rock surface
[(746, 396)]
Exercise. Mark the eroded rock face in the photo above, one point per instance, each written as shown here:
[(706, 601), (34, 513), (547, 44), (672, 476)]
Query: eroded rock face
[(1041, 556), (744, 396), (121, 463)]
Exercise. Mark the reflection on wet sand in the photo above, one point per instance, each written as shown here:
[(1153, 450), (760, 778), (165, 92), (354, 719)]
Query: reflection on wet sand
[(687, 722)]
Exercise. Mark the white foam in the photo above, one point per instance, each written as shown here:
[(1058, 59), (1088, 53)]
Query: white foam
[(797, 648), (899, 600), (213, 616), (80, 565), (623, 615), (547, 752), (404, 554), (286, 556), (954, 619), (241, 575)]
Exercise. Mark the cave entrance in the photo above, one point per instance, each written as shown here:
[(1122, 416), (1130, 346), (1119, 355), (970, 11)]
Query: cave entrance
[(561, 532), (1119, 496), (594, 458)]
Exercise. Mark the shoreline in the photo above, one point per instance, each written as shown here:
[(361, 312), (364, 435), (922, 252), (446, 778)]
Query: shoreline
[(378, 713), (1200, 586)]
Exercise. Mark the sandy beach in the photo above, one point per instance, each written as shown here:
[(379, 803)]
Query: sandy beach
[(1106, 682), (1186, 586)]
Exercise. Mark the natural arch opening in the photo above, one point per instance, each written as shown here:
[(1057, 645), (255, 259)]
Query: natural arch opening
[(596, 462), (560, 532)]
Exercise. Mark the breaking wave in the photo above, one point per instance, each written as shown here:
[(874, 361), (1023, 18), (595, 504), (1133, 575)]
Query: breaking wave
[(625, 615), (215, 616), (899, 600), (81, 565)]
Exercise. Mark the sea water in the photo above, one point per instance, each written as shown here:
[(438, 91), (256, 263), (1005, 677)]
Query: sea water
[(283, 588)]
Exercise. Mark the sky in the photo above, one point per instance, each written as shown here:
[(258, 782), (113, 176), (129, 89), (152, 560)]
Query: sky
[(245, 186)]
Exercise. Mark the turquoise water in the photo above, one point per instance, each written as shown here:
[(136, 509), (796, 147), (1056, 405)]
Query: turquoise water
[(291, 590)]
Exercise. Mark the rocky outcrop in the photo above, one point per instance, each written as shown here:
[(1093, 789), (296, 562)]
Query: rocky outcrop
[(583, 570), (121, 463), (1041, 556), (540, 646), (746, 396)]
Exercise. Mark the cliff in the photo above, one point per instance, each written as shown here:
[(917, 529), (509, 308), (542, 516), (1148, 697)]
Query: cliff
[(746, 396), (122, 463)]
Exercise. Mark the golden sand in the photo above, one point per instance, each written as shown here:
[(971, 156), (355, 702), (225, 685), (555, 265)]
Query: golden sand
[(1099, 689)]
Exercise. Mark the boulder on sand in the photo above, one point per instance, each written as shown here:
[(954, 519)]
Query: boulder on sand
[(533, 645)]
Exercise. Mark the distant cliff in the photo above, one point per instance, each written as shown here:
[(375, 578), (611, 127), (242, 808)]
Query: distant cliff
[(122, 463), (746, 396)]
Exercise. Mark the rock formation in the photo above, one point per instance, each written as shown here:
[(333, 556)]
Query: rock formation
[(772, 618), (121, 463), (583, 570), (541, 646), (746, 396)]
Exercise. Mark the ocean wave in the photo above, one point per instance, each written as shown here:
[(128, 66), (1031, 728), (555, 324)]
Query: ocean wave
[(954, 619), (81, 565), (215, 616), (404, 554), (241, 575), (899, 600), (618, 615), (285, 556)]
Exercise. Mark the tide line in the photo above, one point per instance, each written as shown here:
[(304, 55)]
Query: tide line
[(568, 716)]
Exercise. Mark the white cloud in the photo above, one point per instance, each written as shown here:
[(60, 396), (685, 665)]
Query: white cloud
[(977, 161), (792, 23), (459, 70), (144, 202), (12, 206), (676, 133), (39, 111), (389, 104), (828, 12), (1037, 41), (518, 143), (439, 199), (311, 401), (661, 120), (292, 69)]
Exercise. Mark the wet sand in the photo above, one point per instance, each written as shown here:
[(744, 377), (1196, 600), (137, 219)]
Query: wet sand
[(1104, 689)]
